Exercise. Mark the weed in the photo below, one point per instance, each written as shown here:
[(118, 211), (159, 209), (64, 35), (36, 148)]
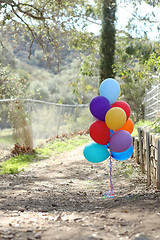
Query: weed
[(16, 164), (125, 169)]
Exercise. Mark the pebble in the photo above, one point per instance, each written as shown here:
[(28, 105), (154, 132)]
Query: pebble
[(38, 236), (141, 238)]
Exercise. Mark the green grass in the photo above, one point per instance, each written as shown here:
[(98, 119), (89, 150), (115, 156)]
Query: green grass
[(16, 164), (62, 145), (19, 163), (140, 124)]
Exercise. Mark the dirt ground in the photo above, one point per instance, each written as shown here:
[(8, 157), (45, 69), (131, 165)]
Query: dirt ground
[(63, 198)]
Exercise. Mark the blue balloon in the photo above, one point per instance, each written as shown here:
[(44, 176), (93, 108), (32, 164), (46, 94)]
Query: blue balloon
[(121, 156), (111, 131), (95, 152), (110, 89)]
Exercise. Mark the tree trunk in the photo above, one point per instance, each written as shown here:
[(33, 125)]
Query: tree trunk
[(107, 47)]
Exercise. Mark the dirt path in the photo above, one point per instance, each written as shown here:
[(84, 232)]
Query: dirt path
[(63, 199)]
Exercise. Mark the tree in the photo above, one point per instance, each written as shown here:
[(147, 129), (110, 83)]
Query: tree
[(132, 58), (145, 17), (49, 24), (12, 87), (107, 46)]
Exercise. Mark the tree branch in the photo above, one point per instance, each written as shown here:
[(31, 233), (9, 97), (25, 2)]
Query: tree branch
[(31, 31), (6, 1), (27, 12)]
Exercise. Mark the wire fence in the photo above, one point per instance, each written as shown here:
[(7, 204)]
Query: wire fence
[(44, 120), (152, 101)]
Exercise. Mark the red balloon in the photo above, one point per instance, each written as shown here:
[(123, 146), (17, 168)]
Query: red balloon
[(99, 132), (124, 106)]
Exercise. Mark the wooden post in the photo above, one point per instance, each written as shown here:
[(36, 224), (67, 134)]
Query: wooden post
[(141, 149), (137, 150), (148, 159), (158, 167)]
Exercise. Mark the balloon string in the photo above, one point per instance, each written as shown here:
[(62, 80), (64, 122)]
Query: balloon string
[(110, 194)]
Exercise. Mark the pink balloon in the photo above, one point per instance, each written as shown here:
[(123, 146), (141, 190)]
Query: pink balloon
[(120, 141)]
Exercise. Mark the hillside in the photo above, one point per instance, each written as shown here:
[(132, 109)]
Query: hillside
[(45, 77)]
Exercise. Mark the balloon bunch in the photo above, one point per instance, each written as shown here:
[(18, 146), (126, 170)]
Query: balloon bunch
[(111, 131)]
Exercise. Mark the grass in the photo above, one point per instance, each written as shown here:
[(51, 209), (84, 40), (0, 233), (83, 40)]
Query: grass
[(62, 145), (125, 169), (19, 163), (16, 164), (140, 124)]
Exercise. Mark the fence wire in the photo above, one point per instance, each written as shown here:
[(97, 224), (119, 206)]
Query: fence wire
[(45, 119), (152, 103)]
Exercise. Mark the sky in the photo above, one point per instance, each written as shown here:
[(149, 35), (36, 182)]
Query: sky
[(123, 15)]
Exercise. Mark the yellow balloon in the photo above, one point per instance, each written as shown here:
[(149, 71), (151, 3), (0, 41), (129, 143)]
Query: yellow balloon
[(115, 118)]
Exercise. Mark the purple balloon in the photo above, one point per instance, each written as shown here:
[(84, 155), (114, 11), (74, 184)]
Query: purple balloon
[(99, 106), (120, 141)]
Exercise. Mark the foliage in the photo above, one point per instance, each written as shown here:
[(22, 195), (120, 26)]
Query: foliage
[(141, 123), (132, 54), (152, 68), (50, 24), (46, 28), (145, 17), (11, 84), (154, 125)]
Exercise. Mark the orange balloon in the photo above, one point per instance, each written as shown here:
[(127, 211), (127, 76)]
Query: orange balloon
[(128, 126)]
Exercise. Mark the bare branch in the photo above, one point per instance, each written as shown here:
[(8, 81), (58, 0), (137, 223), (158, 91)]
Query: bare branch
[(23, 22), (28, 12), (30, 48), (31, 31), (144, 19)]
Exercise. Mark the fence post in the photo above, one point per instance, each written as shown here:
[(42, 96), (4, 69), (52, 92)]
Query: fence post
[(59, 120), (141, 149), (158, 167), (148, 159), (137, 150)]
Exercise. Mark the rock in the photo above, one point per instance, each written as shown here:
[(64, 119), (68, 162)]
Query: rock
[(78, 219), (54, 205), (38, 236), (141, 238), (71, 181)]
